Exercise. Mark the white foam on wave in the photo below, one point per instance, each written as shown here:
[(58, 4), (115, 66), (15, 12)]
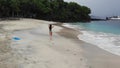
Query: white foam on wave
[(68, 25), (105, 41), (72, 26), (108, 42)]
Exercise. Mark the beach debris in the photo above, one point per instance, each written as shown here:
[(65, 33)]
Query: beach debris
[(16, 38)]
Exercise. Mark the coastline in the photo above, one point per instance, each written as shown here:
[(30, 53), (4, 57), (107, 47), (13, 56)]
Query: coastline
[(95, 56), (36, 50)]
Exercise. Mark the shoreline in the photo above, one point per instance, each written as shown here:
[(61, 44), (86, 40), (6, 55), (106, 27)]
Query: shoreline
[(95, 56), (35, 49)]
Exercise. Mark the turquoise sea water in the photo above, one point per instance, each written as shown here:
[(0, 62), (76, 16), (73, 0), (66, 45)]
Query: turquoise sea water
[(101, 26), (104, 34)]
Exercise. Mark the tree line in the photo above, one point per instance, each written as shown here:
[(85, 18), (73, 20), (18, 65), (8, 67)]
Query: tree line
[(54, 10)]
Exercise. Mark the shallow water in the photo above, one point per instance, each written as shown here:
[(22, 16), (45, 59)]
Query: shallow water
[(104, 34), (101, 26)]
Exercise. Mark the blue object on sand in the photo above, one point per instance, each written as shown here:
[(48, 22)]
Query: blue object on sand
[(16, 38)]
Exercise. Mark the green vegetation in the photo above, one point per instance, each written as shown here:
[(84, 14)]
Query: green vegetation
[(55, 10)]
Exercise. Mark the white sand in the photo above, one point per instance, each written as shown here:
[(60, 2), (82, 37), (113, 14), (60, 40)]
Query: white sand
[(36, 50), (23, 24)]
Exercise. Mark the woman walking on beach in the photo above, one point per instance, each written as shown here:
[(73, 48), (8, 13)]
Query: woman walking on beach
[(50, 31)]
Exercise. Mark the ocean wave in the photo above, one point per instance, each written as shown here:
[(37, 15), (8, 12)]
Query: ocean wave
[(108, 42), (68, 25)]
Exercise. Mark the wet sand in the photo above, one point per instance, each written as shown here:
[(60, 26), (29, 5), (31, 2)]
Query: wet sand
[(95, 56), (99, 58), (36, 50)]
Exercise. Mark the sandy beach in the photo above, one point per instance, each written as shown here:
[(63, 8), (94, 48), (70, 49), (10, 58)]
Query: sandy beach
[(34, 49)]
